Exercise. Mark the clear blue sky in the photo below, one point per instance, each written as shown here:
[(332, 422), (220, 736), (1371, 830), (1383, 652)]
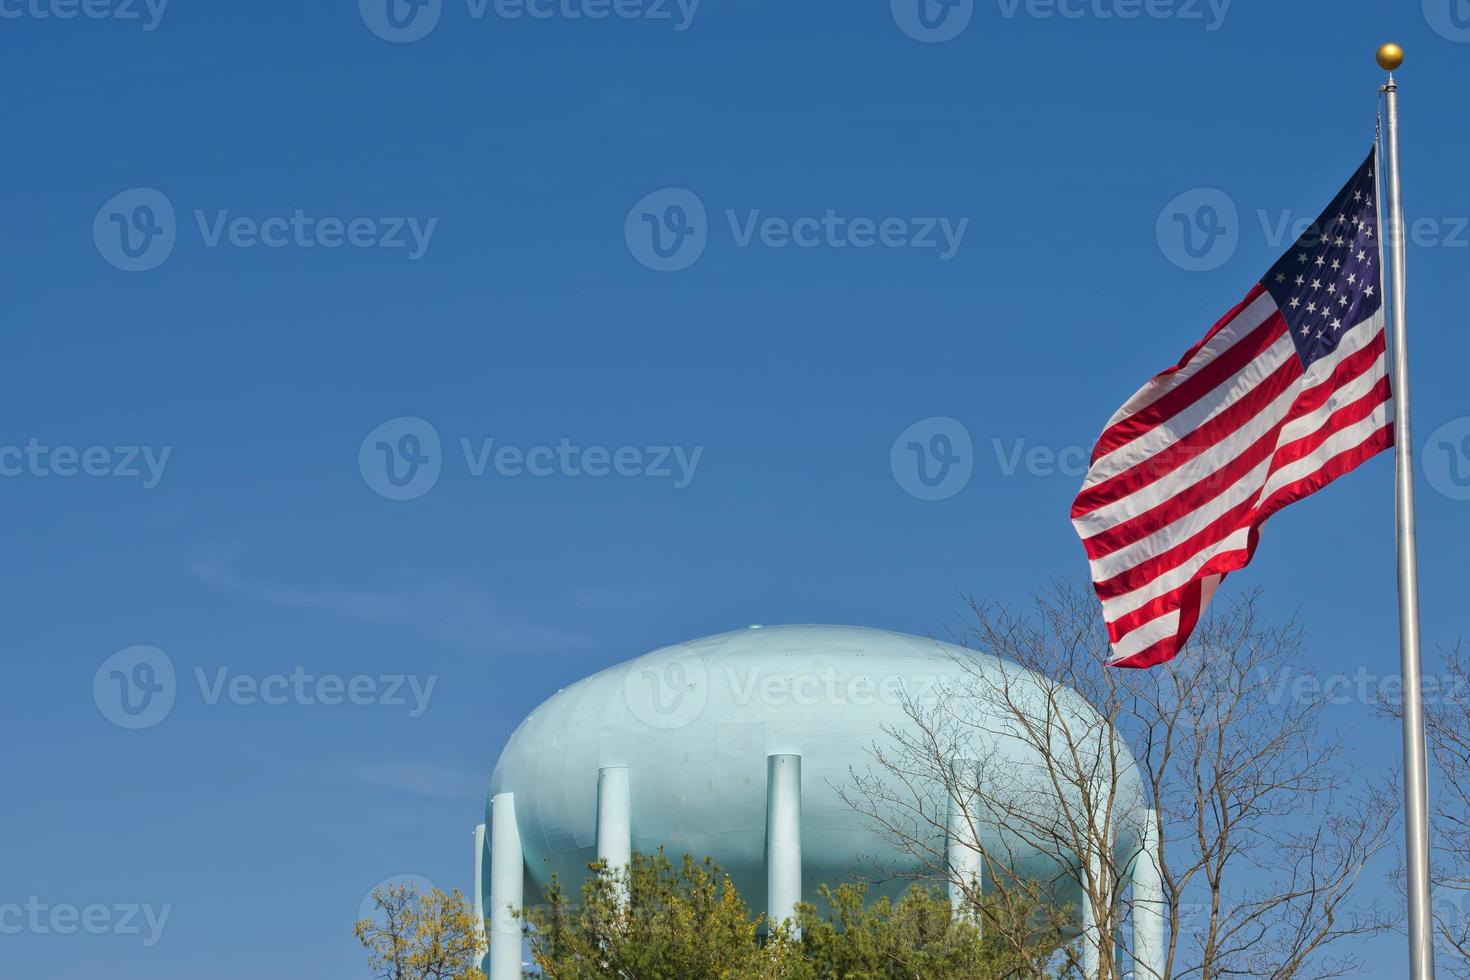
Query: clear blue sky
[(527, 313)]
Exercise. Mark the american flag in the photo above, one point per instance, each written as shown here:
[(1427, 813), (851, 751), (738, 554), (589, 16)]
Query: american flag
[(1285, 394)]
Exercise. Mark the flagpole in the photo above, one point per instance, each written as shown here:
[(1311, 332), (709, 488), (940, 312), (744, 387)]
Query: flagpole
[(1416, 794)]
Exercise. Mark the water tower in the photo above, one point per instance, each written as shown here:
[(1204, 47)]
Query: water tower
[(734, 747)]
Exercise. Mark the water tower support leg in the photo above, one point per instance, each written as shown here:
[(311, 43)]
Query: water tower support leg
[(614, 820), (783, 836), (480, 894), (966, 872), (507, 874), (1093, 931), (1148, 905)]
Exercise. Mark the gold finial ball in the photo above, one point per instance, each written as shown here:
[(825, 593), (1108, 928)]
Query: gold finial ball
[(1390, 56)]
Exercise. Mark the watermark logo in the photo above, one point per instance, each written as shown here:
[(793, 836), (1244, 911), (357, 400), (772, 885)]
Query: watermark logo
[(932, 21), (368, 907), (667, 230), (135, 230), (401, 459), (40, 918), (36, 459), (1210, 13), (933, 458), (1199, 230), (400, 21), (1038, 460), (667, 689), (149, 13), (1446, 458), (135, 688), (1450, 19)]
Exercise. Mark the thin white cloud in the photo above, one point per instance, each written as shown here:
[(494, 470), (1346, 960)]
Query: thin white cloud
[(449, 609), (421, 779)]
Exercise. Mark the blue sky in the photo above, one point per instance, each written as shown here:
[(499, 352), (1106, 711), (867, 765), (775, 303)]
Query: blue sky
[(454, 239)]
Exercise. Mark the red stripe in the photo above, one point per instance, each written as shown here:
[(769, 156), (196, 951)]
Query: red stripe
[(1350, 367), (1191, 498), (1329, 471), (1146, 571), (1236, 559), (1242, 409), (1136, 577), (1190, 390), (1354, 411)]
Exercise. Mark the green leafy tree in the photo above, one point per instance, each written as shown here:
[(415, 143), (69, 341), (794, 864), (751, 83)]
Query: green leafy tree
[(660, 921), (653, 921), (918, 937), (411, 936)]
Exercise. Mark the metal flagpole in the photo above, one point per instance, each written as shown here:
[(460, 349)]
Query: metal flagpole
[(1416, 794)]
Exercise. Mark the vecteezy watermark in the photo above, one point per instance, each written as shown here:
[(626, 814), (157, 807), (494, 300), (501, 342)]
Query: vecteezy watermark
[(1016, 455), (1446, 458), (1450, 19), (368, 907), (401, 459), (147, 13), (40, 918), (137, 229), (667, 688), (671, 688), (1200, 229), (933, 458), (403, 21), (36, 459), (932, 21), (137, 688), (669, 229), (1209, 13), (1360, 687)]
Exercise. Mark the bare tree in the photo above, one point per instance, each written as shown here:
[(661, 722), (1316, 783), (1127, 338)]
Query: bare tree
[(1447, 731), (1053, 776)]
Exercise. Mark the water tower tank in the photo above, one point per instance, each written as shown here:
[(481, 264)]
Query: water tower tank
[(734, 747)]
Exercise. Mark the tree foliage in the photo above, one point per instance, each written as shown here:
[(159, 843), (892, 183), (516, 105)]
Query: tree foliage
[(411, 936), (657, 920)]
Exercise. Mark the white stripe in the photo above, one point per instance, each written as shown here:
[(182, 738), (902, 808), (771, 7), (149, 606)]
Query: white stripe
[(1202, 468), (1346, 395), (1136, 552), (1246, 321), (1119, 606), (1355, 339), (1146, 635), (1340, 442), (1209, 405)]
